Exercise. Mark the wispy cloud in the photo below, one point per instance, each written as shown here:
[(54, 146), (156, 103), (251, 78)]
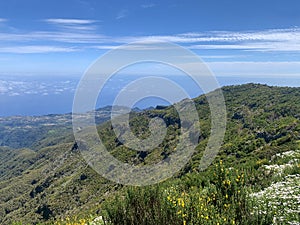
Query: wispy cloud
[(227, 46), (2, 20), (55, 36), (293, 46), (104, 47), (266, 40), (76, 32), (122, 14), (35, 49), (243, 36), (150, 5), (21, 88), (221, 39), (73, 24), (70, 21)]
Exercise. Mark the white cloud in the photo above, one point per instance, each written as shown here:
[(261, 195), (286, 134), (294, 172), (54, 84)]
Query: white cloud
[(231, 39), (267, 40), (122, 14), (3, 89), (70, 21), (15, 88), (228, 36), (224, 46), (104, 47), (64, 37), (150, 5), (2, 20), (83, 32), (34, 49), (74, 24), (14, 94)]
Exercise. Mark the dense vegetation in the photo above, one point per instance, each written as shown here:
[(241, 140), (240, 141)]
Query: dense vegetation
[(36, 132), (254, 179)]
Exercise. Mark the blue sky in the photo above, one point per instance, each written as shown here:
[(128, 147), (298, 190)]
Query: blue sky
[(235, 37)]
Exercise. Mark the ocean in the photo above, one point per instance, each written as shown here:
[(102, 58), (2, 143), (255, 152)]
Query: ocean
[(54, 95)]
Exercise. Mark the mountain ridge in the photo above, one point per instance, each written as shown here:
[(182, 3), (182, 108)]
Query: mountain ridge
[(52, 180)]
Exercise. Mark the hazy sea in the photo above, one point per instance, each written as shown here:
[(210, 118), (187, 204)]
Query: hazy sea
[(54, 95)]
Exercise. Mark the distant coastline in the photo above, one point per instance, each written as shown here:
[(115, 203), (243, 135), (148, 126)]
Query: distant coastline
[(41, 96)]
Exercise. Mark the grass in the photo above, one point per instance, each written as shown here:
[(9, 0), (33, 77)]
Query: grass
[(223, 194), (224, 199)]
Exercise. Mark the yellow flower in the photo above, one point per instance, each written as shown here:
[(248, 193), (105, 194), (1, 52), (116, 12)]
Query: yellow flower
[(226, 205), (181, 202), (82, 222)]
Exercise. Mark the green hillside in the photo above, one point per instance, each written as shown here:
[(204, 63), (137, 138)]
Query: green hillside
[(39, 131), (253, 180)]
